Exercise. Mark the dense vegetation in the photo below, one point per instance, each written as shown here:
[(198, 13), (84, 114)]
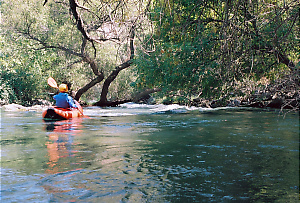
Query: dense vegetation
[(212, 47), (115, 51)]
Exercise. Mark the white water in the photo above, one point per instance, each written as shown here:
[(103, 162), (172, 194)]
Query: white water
[(144, 109)]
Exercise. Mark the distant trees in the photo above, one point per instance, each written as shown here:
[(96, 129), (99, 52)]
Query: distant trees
[(207, 47)]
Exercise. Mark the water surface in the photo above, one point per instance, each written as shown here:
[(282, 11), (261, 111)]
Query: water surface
[(144, 153)]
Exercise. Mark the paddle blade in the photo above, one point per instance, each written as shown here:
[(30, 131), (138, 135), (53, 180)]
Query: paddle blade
[(52, 82)]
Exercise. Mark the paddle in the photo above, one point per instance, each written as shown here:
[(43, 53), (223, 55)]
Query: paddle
[(52, 83)]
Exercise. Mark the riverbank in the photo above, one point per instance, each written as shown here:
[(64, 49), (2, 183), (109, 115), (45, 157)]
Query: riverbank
[(260, 99), (283, 93), (18, 107)]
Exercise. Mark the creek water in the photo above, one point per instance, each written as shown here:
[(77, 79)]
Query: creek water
[(151, 153)]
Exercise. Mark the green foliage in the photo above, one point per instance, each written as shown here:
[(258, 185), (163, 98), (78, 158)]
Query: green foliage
[(196, 47), (22, 72), (7, 95), (24, 67), (207, 47), (30, 33)]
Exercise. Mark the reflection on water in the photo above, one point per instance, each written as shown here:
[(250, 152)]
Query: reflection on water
[(141, 153), (60, 145)]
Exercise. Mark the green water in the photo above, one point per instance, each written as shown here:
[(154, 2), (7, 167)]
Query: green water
[(144, 153)]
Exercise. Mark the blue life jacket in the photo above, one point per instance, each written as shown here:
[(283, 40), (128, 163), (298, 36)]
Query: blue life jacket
[(63, 100)]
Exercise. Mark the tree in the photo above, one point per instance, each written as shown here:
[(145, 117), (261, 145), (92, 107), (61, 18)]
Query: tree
[(206, 47), (78, 30), (23, 70)]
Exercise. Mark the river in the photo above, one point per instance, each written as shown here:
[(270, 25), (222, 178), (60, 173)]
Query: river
[(151, 153)]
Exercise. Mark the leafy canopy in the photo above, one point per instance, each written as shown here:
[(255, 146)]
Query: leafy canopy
[(207, 47)]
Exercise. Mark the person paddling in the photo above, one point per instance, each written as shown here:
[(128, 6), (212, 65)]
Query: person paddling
[(63, 100)]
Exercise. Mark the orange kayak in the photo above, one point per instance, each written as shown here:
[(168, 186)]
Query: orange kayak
[(55, 113)]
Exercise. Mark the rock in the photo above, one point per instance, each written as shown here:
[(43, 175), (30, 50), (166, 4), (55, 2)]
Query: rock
[(199, 102), (234, 103), (205, 104), (41, 102), (37, 108), (18, 107), (14, 107), (218, 103)]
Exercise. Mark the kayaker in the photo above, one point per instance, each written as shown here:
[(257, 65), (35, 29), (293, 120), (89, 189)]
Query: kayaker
[(63, 100)]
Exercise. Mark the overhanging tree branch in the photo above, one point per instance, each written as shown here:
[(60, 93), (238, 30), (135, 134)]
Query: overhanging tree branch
[(88, 86), (90, 31), (47, 46), (103, 98), (82, 55)]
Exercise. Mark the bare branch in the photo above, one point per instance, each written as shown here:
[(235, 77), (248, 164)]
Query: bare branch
[(84, 40), (47, 46), (79, 23), (93, 65), (45, 2), (114, 73)]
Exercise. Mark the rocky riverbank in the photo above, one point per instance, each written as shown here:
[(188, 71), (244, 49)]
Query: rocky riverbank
[(281, 94), (38, 105), (18, 107)]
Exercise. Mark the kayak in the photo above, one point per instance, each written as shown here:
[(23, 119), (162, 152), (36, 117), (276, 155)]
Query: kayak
[(55, 113)]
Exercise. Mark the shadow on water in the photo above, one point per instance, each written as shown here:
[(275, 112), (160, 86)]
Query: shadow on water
[(131, 155)]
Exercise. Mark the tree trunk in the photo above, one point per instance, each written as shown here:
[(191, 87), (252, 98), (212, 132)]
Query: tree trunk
[(145, 93), (285, 60), (103, 98), (88, 86), (136, 98), (110, 79), (111, 103)]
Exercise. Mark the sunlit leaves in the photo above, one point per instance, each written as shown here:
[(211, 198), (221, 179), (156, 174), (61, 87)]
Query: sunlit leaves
[(205, 47)]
